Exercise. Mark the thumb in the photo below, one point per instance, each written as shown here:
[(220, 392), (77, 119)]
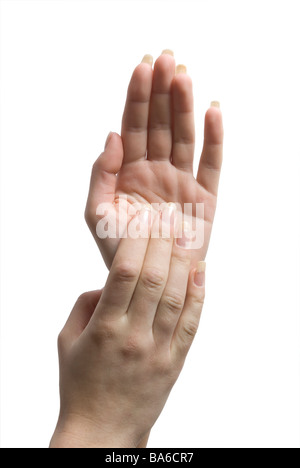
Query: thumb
[(79, 317), (103, 178), (112, 157)]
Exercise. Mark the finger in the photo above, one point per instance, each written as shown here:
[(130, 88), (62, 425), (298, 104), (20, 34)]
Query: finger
[(124, 272), (135, 117), (211, 158), (153, 277), (188, 322), (160, 115), (79, 317), (103, 177), (173, 297), (183, 121)]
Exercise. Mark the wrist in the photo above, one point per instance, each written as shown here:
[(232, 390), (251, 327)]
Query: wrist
[(79, 432)]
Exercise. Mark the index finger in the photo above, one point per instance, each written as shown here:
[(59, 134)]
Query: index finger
[(125, 270)]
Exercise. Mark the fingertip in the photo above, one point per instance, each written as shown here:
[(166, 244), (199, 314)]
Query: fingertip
[(141, 81), (108, 139), (182, 88), (165, 63), (112, 139), (213, 114), (213, 131), (110, 159), (113, 142)]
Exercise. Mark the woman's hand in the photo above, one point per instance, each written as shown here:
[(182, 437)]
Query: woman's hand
[(120, 354), (152, 160)]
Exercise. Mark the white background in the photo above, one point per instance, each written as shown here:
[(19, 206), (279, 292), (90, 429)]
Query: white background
[(65, 67)]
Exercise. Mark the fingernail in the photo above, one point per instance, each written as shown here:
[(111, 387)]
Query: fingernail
[(144, 214), (108, 139), (148, 59), (171, 210), (180, 69), (215, 104), (185, 239), (199, 278), (168, 51), (168, 217), (145, 222)]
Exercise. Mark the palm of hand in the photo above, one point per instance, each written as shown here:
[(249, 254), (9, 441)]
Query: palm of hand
[(161, 182), (153, 162)]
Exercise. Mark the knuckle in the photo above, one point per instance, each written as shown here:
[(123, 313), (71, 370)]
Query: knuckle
[(126, 272), (173, 302), (102, 333), (134, 347), (198, 300), (107, 331), (188, 332), (152, 279), (183, 258), (162, 364)]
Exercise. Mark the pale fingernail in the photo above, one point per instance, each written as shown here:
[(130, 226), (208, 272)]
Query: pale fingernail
[(185, 239), (171, 210), (168, 51), (148, 59), (108, 139), (215, 104), (148, 207), (144, 214), (180, 69), (145, 222), (199, 278), (168, 217)]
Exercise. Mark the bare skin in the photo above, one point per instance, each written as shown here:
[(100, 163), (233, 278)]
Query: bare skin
[(118, 351), (152, 160)]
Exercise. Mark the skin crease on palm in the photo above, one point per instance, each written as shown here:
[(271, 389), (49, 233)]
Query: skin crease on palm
[(152, 160)]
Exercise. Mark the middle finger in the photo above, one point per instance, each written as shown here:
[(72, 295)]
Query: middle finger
[(154, 274)]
